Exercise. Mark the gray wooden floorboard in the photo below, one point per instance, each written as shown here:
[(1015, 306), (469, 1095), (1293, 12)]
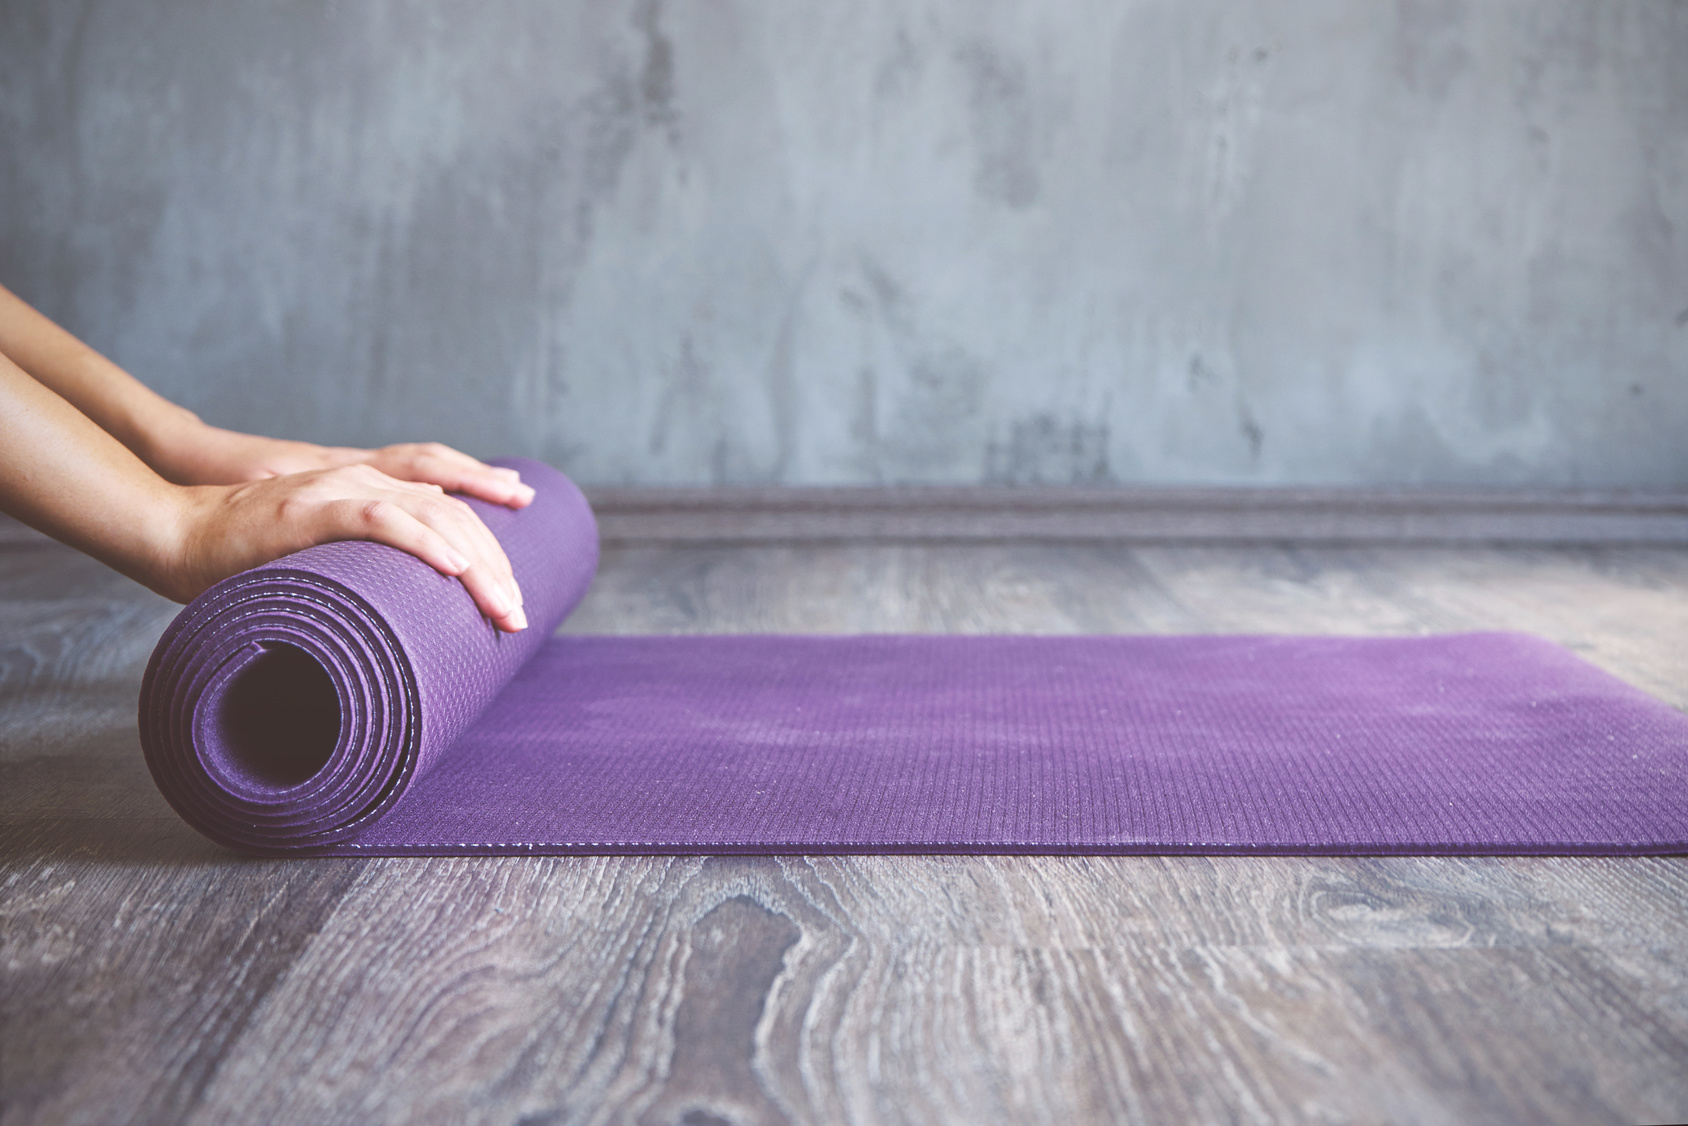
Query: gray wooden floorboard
[(148, 976)]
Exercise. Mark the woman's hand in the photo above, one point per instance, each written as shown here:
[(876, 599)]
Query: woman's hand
[(225, 529), (197, 454)]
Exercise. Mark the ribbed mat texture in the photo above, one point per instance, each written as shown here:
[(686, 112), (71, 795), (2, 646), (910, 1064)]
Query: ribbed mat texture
[(349, 701)]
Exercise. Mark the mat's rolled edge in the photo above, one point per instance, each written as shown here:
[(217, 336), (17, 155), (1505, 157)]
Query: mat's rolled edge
[(288, 707), (278, 713)]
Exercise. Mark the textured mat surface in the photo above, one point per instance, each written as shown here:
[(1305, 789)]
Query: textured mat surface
[(349, 701)]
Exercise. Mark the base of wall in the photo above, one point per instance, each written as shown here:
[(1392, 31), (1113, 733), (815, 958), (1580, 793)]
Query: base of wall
[(730, 514), (1215, 515)]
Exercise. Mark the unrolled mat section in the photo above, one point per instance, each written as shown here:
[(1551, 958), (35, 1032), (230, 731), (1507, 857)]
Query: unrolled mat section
[(347, 700)]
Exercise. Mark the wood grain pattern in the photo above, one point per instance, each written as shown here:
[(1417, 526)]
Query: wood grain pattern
[(147, 976)]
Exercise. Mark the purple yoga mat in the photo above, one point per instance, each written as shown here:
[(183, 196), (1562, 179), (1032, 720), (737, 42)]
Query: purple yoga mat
[(349, 701)]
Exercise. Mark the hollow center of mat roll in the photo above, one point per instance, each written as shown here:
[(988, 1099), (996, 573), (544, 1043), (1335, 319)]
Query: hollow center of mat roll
[(277, 718)]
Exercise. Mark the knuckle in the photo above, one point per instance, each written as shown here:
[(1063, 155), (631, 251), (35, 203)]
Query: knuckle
[(374, 513), (292, 505)]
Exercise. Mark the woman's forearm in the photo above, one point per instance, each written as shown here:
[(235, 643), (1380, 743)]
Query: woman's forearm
[(121, 405), (61, 473), (185, 451)]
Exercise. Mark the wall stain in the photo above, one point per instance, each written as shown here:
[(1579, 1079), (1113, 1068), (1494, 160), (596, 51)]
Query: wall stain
[(1428, 53), (780, 380), (864, 423), (901, 70), (944, 386), (685, 395), (1002, 128), (1041, 450), (1199, 375), (656, 80), (1250, 428)]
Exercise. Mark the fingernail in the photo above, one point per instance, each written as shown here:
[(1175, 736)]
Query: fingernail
[(455, 561), (516, 593), (506, 471), (517, 619)]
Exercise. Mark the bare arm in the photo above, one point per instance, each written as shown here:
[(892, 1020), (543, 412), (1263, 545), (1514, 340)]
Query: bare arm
[(181, 448), (77, 481)]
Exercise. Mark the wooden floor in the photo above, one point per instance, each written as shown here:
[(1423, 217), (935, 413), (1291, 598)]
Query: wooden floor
[(151, 977)]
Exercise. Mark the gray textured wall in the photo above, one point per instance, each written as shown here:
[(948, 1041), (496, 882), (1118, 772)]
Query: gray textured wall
[(883, 240)]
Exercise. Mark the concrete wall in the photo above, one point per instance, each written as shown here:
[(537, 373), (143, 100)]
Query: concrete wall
[(883, 240)]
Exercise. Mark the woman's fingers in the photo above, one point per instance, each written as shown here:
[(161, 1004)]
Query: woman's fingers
[(391, 522), (224, 457), (385, 522), (453, 471), (488, 576), (458, 522), (364, 503), (232, 528)]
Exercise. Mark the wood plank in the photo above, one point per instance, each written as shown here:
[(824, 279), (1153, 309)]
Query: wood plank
[(913, 989), (134, 954)]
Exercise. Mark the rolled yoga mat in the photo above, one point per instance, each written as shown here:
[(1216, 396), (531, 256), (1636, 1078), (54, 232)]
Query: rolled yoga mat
[(349, 701)]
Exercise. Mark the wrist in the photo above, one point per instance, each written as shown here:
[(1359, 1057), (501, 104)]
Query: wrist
[(169, 532), (170, 439)]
